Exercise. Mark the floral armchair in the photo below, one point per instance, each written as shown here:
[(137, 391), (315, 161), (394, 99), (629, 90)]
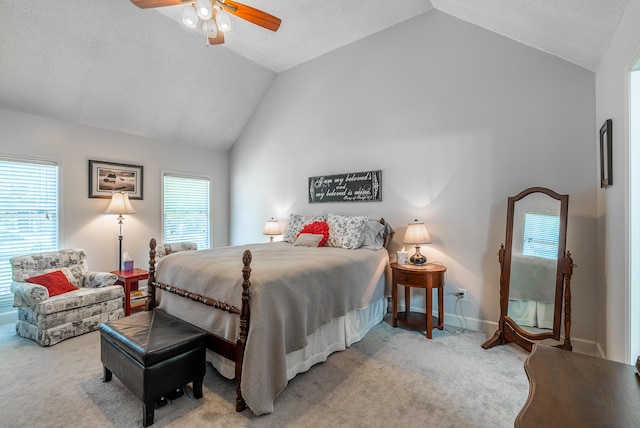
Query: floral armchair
[(50, 319), (164, 249)]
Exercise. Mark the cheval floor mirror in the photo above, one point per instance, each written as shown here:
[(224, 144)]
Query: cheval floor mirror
[(535, 271)]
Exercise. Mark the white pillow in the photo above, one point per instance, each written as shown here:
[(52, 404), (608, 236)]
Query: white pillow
[(344, 231), (308, 240), (296, 223)]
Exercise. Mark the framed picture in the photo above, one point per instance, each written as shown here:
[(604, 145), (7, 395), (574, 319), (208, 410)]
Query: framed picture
[(108, 177), (606, 163), (349, 187)]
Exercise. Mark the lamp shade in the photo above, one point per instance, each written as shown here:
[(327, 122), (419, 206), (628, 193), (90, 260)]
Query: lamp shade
[(120, 204), (416, 234), (272, 227)]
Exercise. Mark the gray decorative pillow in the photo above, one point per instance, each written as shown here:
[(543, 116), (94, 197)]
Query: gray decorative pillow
[(296, 223), (77, 272), (308, 240), (344, 231), (72, 273), (372, 236)]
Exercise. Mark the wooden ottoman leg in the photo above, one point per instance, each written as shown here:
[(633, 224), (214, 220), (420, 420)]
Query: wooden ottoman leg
[(197, 387), (147, 413), (106, 377)]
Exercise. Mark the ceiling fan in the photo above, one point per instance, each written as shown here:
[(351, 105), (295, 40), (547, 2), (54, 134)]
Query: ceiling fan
[(214, 15)]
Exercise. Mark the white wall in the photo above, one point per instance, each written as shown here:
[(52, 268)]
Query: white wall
[(458, 119), (83, 223), (613, 220)]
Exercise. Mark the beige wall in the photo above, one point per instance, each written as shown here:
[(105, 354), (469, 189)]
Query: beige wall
[(83, 223), (458, 119), (613, 285)]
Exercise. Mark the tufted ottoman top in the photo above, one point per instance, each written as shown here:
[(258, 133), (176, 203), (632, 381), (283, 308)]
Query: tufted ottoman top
[(153, 336)]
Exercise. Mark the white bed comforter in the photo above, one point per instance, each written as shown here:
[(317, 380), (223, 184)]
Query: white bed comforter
[(294, 290)]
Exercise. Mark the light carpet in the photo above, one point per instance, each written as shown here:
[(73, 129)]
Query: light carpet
[(392, 378)]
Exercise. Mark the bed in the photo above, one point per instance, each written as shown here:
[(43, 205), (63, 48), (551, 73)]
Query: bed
[(273, 310), (532, 292)]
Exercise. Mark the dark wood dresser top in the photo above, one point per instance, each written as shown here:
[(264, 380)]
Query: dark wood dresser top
[(567, 389)]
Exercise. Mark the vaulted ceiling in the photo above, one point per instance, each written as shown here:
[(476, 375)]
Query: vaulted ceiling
[(110, 64)]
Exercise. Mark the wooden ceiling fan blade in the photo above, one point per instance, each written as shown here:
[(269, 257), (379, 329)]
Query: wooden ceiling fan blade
[(251, 14), (145, 4), (218, 39)]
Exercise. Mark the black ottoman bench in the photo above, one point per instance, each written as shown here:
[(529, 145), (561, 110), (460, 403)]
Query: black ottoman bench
[(153, 354)]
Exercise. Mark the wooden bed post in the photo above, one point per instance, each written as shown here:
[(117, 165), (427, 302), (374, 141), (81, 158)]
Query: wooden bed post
[(388, 235), (229, 349), (151, 299), (244, 328)]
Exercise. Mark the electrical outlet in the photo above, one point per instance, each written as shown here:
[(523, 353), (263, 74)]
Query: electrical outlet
[(462, 294)]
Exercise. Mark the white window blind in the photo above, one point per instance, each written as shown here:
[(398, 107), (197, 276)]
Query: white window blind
[(186, 209), (541, 234), (28, 212)]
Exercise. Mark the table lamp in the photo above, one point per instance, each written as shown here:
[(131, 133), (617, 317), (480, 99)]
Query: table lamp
[(271, 228), (417, 234), (120, 205)]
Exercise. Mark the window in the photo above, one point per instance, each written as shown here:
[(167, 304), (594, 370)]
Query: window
[(185, 209), (28, 212), (541, 235)]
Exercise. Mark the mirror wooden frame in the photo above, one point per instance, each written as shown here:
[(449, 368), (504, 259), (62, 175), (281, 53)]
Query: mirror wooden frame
[(508, 330)]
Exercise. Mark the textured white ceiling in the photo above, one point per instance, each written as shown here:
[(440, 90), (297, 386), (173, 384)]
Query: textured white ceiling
[(109, 64), (309, 28), (576, 30)]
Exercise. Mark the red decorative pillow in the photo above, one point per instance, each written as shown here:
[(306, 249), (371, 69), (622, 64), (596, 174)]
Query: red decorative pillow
[(56, 282), (317, 228)]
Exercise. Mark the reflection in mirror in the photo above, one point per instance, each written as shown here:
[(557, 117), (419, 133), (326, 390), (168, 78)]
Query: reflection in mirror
[(534, 260), (535, 271)]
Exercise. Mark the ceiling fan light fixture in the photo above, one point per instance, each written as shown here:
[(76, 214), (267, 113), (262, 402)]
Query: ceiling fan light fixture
[(204, 9), (210, 28), (190, 17), (196, 15), (224, 21)]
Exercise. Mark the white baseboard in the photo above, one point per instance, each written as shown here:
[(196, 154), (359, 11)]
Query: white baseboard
[(457, 322)]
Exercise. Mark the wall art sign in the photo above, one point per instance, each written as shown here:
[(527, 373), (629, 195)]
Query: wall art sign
[(108, 177), (350, 187)]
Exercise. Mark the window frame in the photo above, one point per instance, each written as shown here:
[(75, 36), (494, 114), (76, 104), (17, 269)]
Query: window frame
[(188, 175)]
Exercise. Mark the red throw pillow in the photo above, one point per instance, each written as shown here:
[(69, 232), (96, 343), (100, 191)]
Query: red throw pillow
[(56, 282), (318, 228)]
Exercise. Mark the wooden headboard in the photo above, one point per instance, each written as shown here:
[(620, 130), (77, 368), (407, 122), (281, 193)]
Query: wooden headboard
[(388, 234)]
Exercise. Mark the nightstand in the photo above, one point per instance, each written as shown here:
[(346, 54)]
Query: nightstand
[(428, 276), (129, 280)]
